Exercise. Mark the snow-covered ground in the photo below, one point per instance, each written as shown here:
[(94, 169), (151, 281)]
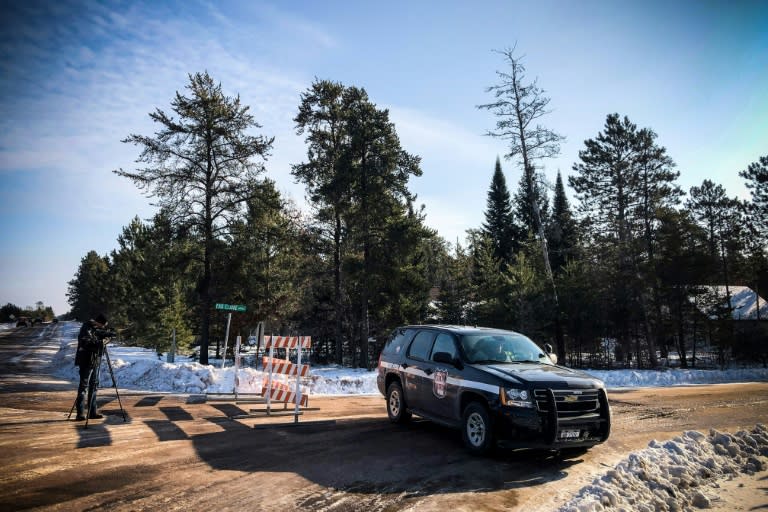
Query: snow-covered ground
[(684, 473)]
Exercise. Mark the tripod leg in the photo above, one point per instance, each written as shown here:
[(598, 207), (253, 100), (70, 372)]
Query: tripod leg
[(93, 385), (72, 408), (114, 383)]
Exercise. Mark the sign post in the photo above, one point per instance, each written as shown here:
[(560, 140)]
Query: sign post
[(240, 308)]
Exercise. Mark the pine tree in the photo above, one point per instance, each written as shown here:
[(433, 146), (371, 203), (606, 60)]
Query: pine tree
[(623, 180), (89, 292), (499, 225), (357, 175), (563, 235), (322, 116), (200, 167)]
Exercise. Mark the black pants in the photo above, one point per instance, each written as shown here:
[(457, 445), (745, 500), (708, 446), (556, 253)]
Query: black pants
[(89, 381)]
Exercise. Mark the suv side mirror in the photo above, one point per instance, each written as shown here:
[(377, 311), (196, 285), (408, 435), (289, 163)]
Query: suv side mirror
[(550, 353), (446, 358)]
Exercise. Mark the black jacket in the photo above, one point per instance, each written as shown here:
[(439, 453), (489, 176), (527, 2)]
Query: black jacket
[(89, 345)]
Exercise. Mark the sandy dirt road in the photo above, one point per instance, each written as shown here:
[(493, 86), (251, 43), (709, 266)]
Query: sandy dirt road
[(176, 452)]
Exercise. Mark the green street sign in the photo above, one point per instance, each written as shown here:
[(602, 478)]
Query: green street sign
[(231, 307)]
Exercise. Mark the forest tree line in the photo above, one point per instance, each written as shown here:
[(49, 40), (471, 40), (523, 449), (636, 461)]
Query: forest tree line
[(620, 275)]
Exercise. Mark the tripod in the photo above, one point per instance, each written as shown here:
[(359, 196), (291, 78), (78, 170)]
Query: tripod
[(92, 396)]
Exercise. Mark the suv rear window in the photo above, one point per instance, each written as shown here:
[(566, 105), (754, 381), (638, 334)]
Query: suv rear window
[(396, 342)]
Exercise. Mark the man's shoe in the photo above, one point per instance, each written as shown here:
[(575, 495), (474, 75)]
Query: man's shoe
[(95, 416), (79, 417)]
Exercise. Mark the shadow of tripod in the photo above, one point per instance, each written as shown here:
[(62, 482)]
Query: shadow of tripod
[(92, 396)]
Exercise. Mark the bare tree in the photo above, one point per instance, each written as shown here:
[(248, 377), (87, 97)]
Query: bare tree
[(518, 106)]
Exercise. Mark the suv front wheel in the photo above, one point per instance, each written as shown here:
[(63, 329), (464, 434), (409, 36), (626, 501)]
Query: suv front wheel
[(396, 404), (477, 430)]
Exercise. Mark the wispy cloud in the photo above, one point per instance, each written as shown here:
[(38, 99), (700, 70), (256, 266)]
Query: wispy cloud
[(295, 26), (76, 83)]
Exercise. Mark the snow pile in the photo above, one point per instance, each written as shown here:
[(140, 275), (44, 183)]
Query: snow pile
[(676, 377), (676, 475), (142, 369), (334, 380)]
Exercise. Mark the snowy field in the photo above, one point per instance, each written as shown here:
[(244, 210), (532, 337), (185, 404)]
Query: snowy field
[(681, 474)]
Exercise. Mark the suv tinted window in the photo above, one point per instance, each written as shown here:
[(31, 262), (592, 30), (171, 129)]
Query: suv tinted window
[(421, 345), (396, 342), (444, 343)]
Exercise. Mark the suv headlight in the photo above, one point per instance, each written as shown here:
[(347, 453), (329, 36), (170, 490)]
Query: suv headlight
[(516, 397)]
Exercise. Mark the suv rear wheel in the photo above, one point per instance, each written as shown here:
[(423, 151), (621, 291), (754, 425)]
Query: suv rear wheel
[(477, 430), (396, 404)]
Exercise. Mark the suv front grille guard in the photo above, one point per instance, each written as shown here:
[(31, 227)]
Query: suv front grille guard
[(569, 406)]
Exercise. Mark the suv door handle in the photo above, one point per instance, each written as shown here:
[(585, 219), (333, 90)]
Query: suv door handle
[(428, 371), (404, 365)]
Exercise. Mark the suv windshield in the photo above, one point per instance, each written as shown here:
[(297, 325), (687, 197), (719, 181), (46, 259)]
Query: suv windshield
[(501, 348)]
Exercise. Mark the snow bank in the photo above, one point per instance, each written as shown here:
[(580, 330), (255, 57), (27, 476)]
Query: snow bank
[(676, 377), (142, 369), (677, 475)]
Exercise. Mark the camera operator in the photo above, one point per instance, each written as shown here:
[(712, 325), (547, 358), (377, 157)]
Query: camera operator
[(90, 347)]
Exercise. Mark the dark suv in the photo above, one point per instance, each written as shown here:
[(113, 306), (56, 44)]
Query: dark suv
[(493, 385)]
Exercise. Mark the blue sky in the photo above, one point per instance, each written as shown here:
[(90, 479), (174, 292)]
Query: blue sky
[(77, 77)]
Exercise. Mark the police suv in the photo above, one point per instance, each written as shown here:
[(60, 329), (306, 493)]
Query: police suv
[(493, 385)]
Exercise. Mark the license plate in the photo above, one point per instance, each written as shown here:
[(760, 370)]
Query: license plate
[(570, 434)]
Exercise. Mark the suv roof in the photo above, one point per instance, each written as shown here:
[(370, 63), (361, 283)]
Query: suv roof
[(459, 329)]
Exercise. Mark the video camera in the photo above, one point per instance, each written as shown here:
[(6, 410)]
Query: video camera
[(102, 334)]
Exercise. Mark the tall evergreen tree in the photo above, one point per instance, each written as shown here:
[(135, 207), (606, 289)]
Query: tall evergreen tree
[(499, 225), (563, 234), (357, 175), (322, 116), (623, 180), (89, 292), (657, 192), (381, 170), (201, 166)]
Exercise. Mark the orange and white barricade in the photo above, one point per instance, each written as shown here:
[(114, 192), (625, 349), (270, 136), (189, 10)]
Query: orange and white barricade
[(279, 391), (285, 367)]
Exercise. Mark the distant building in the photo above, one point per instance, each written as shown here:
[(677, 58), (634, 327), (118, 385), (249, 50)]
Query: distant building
[(745, 304), (745, 336)]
